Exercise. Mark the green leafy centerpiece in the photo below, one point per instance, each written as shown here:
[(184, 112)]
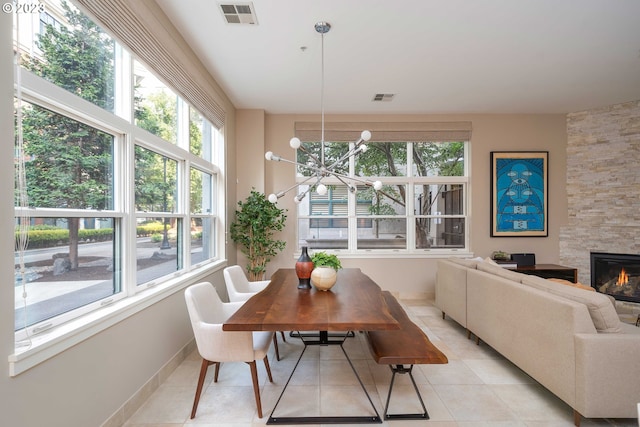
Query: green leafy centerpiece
[(325, 271)]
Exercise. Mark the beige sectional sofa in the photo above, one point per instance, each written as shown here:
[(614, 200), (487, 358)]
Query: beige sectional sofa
[(570, 340)]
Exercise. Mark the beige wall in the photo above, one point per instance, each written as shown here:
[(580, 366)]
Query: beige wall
[(250, 166), (490, 133)]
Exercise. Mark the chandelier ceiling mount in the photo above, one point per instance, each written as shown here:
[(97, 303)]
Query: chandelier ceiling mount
[(317, 164)]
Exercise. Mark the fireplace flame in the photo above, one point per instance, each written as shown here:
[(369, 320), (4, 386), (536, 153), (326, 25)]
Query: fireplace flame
[(623, 278)]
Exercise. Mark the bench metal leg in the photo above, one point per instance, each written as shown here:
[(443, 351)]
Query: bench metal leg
[(400, 369)]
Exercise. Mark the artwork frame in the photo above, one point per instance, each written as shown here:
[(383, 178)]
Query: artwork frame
[(519, 193)]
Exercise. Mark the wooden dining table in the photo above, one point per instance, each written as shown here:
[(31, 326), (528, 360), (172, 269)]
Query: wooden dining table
[(354, 303)]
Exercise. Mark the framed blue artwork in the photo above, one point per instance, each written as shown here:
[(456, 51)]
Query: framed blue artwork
[(519, 193)]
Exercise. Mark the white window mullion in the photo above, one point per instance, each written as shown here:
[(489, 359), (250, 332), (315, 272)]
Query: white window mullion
[(128, 200), (411, 232), (219, 225), (410, 214), (409, 172), (123, 94), (184, 207), (124, 172), (352, 221), (467, 195), (207, 141), (182, 117), (352, 201), (410, 208)]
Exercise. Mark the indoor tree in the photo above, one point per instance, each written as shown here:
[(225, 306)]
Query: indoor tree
[(256, 222)]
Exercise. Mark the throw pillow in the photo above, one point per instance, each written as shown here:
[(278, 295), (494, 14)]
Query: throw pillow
[(575, 285)]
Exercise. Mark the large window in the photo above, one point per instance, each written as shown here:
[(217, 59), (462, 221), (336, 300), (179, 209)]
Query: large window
[(119, 192), (156, 106), (422, 205), (75, 55)]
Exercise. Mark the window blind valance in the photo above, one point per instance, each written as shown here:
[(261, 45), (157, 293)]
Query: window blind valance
[(385, 132), (143, 33)]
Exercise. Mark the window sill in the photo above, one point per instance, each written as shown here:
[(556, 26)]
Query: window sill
[(56, 340), (397, 253)]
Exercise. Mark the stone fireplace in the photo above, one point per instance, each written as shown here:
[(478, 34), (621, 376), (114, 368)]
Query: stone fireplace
[(603, 185), (617, 275)]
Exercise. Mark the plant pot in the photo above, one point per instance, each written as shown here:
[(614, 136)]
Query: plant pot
[(323, 278)]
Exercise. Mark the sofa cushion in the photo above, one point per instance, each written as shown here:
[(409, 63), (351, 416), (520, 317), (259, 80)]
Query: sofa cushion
[(602, 312), (495, 269)]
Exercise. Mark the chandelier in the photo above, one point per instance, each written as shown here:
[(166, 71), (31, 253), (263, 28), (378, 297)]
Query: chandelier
[(318, 165)]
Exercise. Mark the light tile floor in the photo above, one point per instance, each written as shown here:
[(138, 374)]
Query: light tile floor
[(478, 387)]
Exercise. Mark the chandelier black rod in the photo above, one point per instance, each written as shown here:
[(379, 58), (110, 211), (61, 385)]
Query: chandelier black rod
[(322, 29)]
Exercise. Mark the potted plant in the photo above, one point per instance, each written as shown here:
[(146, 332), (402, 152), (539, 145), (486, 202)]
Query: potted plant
[(500, 256), (325, 270), (256, 222)]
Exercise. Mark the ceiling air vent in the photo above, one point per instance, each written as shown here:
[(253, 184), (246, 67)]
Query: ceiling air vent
[(239, 13), (386, 97)]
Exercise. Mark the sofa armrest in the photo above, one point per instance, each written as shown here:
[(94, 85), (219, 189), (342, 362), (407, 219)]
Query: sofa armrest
[(451, 290), (607, 372)]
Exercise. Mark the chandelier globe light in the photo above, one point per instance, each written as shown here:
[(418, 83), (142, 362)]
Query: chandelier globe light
[(319, 166)]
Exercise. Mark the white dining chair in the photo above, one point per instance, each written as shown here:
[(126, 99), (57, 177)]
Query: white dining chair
[(207, 313), (240, 289)]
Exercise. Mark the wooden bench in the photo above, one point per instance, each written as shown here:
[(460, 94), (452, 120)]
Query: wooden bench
[(407, 346)]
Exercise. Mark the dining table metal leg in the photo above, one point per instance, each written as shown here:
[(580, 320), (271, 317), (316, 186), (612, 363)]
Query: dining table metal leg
[(323, 338)]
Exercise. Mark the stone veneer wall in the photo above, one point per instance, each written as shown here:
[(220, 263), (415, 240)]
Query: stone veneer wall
[(603, 185)]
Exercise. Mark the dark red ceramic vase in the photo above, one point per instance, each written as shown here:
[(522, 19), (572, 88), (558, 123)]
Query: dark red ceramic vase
[(304, 267)]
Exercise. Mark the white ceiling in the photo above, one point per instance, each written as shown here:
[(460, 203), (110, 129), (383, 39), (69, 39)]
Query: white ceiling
[(436, 56)]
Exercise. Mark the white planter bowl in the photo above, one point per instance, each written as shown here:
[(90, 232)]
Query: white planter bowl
[(323, 278)]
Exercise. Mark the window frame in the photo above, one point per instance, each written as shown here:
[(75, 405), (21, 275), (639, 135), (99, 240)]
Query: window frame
[(62, 329), (410, 180)]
